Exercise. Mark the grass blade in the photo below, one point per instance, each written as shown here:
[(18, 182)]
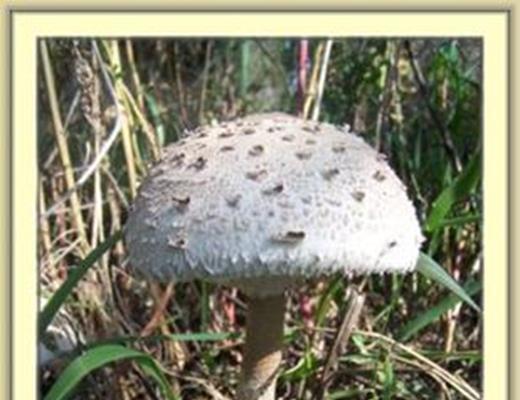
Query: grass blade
[(429, 268), (99, 357), (202, 336), (51, 308), (460, 187), (432, 314)]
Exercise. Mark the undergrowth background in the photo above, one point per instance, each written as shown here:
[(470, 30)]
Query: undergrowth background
[(106, 107)]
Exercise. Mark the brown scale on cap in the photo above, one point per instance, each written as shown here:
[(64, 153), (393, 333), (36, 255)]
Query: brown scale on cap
[(233, 201), (379, 176), (256, 150), (290, 237), (274, 190), (303, 155), (306, 200), (198, 164), (358, 195), (286, 204), (332, 202), (330, 173), (227, 148), (177, 243), (177, 160), (225, 134), (257, 176), (181, 201)]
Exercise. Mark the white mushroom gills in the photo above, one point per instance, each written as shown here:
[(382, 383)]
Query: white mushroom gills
[(266, 201)]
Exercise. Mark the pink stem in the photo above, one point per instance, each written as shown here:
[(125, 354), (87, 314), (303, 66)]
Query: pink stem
[(302, 74)]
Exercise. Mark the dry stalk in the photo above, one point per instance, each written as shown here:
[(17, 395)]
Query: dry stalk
[(140, 166), (45, 230), (179, 84), (208, 387), (135, 75), (323, 75), (147, 128), (68, 118), (161, 302), (427, 371), (204, 85), (104, 148), (454, 381), (115, 185), (127, 141), (115, 220), (349, 323), (59, 132), (311, 90)]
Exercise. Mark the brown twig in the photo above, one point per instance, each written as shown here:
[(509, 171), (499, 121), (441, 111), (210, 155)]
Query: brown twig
[(158, 314), (350, 321)]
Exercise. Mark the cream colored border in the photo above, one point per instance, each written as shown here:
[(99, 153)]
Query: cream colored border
[(28, 26)]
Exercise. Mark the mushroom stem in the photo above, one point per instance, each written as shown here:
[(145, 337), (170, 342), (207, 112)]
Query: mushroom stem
[(263, 348)]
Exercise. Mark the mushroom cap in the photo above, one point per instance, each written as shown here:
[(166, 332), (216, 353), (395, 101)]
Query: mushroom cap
[(266, 200)]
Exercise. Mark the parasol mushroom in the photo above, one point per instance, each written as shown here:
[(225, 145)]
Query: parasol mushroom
[(263, 203)]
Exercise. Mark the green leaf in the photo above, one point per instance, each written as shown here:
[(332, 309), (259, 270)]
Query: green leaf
[(433, 313), (305, 367), (429, 268), (351, 394), (177, 337), (459, 188), (98, 357), (202, 336), (156, 116), (461, 220), (245, 61), (326, 298), (388, 379), (51, 308)]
